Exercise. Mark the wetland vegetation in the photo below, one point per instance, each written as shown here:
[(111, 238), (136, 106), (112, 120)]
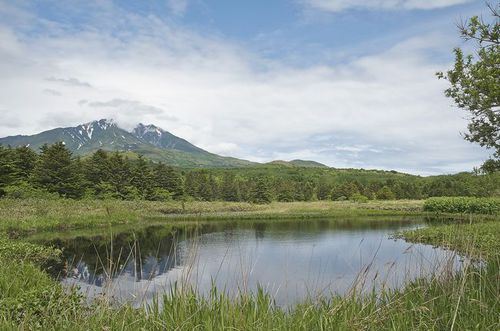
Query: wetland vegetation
[(31, 299)]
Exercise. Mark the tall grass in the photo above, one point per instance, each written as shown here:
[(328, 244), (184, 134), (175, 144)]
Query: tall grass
[(465, 301)]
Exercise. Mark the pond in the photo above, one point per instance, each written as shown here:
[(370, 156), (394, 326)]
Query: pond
[(292, 260)]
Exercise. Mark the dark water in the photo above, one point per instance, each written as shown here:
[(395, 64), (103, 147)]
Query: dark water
[(292, 260)]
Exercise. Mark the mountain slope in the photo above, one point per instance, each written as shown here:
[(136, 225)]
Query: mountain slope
[(151, 141), (297, 163), (81, 139), (163, 139), (307, 164)]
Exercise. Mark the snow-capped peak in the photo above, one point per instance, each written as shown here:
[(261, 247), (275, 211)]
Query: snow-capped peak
[(87, 129), (141, 130)]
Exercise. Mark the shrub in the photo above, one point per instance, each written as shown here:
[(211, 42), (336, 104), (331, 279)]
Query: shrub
[(463, 205), (358, 197), (385, 193), (24, 190)]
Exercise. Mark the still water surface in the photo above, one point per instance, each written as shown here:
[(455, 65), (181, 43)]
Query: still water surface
[(292, 260)]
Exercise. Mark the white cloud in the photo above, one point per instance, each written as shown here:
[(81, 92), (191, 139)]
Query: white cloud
[(341, 5), (231, 101)]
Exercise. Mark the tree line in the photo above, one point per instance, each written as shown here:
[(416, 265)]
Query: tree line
[(112, 175)]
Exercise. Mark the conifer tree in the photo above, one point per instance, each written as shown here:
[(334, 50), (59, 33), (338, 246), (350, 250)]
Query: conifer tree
[(7, 168), (97, 170), (24, 161), (142, 177), (261, 192), (169, 179), (229, 188), (56, 172)]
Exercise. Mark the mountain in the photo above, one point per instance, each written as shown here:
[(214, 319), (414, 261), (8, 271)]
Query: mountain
[(307, 164), (148, 140), (163, 139), (297, 163), (82, 139)]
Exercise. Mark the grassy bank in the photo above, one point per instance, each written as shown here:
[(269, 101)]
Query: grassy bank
[(20, 216), (29, 299)]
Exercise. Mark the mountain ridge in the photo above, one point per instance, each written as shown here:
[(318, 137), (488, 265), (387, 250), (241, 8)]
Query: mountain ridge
[(149, 140)]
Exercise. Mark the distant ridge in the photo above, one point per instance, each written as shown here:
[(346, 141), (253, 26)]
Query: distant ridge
[(298, 163), (308, 164)]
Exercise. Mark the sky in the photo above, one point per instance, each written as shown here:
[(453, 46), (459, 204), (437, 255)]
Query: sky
[(349, 83)]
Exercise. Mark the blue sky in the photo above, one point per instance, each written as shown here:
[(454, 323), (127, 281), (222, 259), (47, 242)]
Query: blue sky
[(349, 83)]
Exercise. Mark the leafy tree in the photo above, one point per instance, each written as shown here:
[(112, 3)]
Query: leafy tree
[(490, 166), (344, 191), (385, 193), (307, 189), (475, 80), (285, 190), (324, 189)]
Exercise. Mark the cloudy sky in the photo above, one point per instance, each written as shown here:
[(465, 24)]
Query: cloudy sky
[(349, 83)]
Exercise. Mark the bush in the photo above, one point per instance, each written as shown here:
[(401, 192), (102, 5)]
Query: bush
[(24, 190), (463, 205), (358, 198), (160, 194), (385, 193)]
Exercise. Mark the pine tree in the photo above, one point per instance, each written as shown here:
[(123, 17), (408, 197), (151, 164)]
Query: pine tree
[(169, 179), (56, 171), (120, 175), (261, 193), (97, 171), (142, 177), (24, 161), (7, 168), (229, 188)]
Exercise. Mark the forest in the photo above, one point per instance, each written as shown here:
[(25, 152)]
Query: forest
[(55, 172)]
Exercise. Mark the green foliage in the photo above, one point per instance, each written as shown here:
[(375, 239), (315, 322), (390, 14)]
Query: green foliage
[(28, 295), (24, 190), (160, 194), (385, 193), (358, 197), (14, 250), (105, 175), (56, 172), (261, 193), (463, 205), (475, 81), (490, 166)]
